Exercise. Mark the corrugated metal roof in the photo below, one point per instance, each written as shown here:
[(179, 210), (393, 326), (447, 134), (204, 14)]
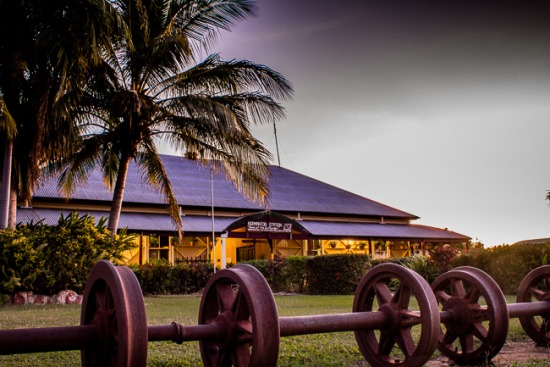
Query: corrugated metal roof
[(202, 224), (136, 222), (289, 192), (376, 230)]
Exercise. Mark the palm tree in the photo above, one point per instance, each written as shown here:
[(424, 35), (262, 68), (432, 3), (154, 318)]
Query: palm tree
[(8, 131), (153, 90), (42, 70)]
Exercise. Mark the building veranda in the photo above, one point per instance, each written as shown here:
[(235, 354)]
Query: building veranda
[(303, 217)]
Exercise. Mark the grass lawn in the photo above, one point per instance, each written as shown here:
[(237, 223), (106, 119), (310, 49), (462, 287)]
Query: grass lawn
[(321, 350)]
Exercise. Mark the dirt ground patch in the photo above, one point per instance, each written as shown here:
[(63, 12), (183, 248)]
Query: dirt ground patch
[(512, 353)]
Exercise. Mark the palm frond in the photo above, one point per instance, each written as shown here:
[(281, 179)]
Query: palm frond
[(77, 169), (7, 122), (214, 75), (201, 19), (149, 162)]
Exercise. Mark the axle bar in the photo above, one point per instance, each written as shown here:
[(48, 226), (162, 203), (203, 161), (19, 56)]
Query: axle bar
[(16, 341), (179, 333), (316, 324), (522, 309), (36, 340)]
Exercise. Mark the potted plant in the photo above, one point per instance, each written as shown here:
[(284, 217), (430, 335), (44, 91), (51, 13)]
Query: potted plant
[(381, 246), (332, 244)]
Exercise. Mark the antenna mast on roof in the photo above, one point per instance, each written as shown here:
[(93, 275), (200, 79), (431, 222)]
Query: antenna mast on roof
[(213, 227), (276, 143)]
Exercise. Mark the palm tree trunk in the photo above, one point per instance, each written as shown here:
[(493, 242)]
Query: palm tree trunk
[(12, 221), (6, 181), (118, 195)]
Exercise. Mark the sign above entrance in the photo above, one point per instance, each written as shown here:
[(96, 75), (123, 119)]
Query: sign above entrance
[(259, 226)]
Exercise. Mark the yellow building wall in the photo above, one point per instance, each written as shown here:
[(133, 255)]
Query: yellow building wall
[(200, 248)]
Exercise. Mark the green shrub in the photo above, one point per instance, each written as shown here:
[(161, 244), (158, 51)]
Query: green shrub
[(394, 260), (442, 257), (159, 277), (284, 274), (272, 270), (336, 274), (154, 277), (295, 274), (507, 264), (48, 259), (478, 258), (423, 265)]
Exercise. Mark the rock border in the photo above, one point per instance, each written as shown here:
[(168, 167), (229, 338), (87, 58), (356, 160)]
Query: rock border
[(66, 297)]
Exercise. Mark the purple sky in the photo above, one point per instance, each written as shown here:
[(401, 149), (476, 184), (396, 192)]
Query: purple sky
[(442, 111)]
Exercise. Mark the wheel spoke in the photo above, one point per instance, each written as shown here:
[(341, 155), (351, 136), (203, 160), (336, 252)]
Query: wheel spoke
[(245, 331), (537, 293), (480, 331), (109, 300), (473, 296), (386, 344), (449, 338), (402, 297), (410, 318), (240, 307), (226, 296), (219, 357), (383, 294), (545, 327), (99, 296), (467, 343), (406, 342), (458, 288), (442, 296), (241, 356), (225, 361)]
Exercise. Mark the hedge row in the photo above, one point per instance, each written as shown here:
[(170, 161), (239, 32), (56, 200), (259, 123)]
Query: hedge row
[(330, 274), (333, 274), (162, 278), (336, 274), (284, 274)]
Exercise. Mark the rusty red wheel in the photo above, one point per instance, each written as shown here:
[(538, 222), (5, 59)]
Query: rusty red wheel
[(409, 337), (474, 315), (113, 301), (240, 299), (535, 287)]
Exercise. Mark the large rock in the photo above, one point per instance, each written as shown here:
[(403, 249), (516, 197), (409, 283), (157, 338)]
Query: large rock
[(40, 299), (73, 298), (20, 298)]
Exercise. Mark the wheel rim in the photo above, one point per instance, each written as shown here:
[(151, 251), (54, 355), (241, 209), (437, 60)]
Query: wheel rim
[(241, 300), (479, 327), (113, 300), (535, 287), (409, 338)]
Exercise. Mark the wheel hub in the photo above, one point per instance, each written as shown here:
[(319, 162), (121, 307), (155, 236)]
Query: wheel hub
[(465, 315)]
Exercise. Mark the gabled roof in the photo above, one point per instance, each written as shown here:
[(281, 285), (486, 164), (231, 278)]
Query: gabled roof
[(289, 192)]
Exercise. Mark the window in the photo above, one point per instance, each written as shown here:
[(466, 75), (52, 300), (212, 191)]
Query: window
[(159, 248), (246, 253)]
